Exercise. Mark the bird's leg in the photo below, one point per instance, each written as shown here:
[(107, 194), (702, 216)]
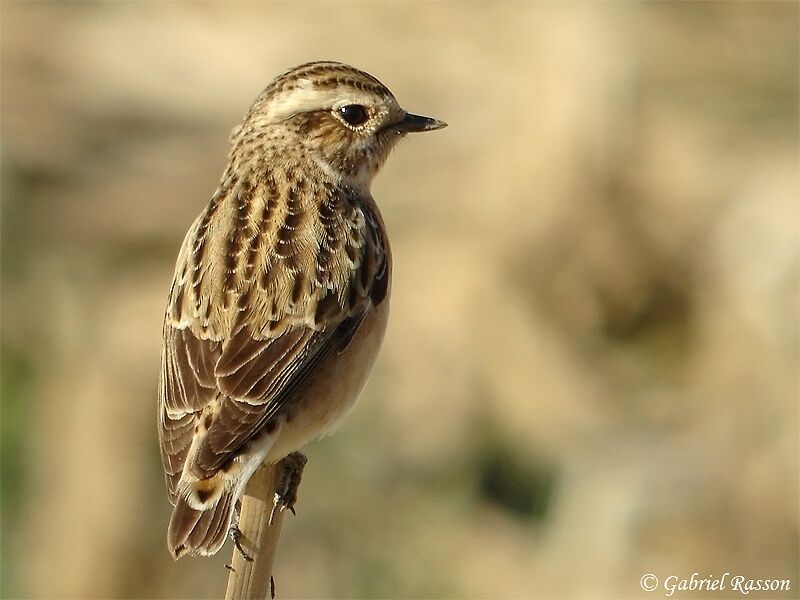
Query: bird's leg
[(291, 471), (235, 533)]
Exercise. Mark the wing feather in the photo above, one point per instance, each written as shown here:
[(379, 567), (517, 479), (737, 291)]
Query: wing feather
[(272, 357), (189, 381)]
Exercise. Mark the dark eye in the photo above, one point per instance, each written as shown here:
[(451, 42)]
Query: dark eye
[(354, 114)]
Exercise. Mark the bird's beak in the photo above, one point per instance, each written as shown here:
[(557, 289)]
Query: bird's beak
[(412, 123)]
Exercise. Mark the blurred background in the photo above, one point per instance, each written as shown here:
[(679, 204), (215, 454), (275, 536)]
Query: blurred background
[(591, 368)]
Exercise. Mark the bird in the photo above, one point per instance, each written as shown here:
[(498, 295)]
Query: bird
[(280, 297)]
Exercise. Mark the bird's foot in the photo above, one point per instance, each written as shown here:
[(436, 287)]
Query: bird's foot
[(236, 534), (291, 472)]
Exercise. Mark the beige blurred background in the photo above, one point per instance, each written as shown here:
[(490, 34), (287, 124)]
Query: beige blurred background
[(591, 369)]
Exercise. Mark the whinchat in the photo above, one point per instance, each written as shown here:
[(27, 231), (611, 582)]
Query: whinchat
[(280, 297)]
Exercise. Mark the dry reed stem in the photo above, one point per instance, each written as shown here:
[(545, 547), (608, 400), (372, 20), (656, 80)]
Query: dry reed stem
[(251, 580)]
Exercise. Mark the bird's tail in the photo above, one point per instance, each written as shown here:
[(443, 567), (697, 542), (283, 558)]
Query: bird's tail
[(193, 531)]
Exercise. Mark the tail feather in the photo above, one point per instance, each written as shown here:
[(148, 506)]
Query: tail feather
[(203, 532)]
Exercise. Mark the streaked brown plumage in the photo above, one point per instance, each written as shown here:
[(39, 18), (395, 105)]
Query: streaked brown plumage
[(281, 292)]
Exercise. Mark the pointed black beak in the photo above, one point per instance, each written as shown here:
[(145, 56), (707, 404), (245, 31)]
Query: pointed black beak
[(412, 123)]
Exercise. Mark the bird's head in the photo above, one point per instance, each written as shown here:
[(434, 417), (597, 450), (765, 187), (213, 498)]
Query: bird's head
[(343, 119)]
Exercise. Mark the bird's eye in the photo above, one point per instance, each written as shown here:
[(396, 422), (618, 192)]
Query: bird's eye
[(354, 114)]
